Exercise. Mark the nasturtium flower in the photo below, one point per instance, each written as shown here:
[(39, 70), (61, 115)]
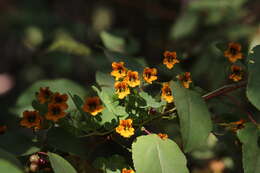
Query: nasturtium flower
[(233, 53), (170, 59), (31, 119), (122, 89), (132, 78), (150, 74), (44, 95), (167, 93), (236, 74), (185, 79), (61, 99), (127, 171), (125, 128), (93, 105), (3, 129), (119, 70), (55, 112), (162, 136)]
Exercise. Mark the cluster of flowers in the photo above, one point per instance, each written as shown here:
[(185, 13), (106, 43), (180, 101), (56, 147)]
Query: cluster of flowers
[(233, 53), (56, 106)]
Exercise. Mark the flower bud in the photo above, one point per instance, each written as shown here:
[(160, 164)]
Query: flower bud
[(34, 158), (34, 167)]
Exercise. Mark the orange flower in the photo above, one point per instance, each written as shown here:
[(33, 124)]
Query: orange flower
[(167, 93), (127, 171), (44, 96), (233, 53), (125, 128), (132, 78), (170, 58), (31, 119), (55, 112), (185, 79), (237, 73), (61, 99), (237, 125), (150, 74), (93, 106), (122, 89), (163, 136), (3, 129), (119, 70)]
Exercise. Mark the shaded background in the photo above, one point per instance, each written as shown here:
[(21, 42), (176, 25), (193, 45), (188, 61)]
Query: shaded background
[(49, 39)]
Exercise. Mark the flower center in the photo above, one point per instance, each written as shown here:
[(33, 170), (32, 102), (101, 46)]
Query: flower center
[(169, 58), (92, 105), (56, 110), (148, 75), (31, 118), (233, 51), (58, 99)]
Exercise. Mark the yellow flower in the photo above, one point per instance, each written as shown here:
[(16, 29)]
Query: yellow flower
[(125, 128), (119, 70), (163, 136), (127, 171), (237, 73), (93, 106), (55, 112), (185, 79), (167, 93), (170, 58), (150, 74), (122, 89), (61, 99), (3, 129), (132, 78), (31, 119), (44, 95), (233, 53)]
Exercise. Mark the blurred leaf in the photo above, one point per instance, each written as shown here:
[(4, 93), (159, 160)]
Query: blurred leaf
[(9, 163), (58, 85), (64, 141), (151, 154), (212, 4), (250, 149), (185, 25), (113, 164), (113, 42), (104, 79), (150, 101), (10, 141), (253, 92), (222, 46), (193, 114), (65, 43), (60, 165)]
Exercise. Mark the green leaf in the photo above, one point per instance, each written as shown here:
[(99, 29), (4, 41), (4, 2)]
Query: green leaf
[(253, 92), (10, 140), (58, 85), (112, 42), (66, 43), (64, 141), (9, 163), (104, 79), (250, 149), (150, 101), (151, 154), (60, 165), (185, 25), (195, 122)]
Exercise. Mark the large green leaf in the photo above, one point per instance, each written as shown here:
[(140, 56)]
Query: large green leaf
[(60, 165), (251, 151), (104, 79), (150, 101), (57, 85), (9, 163), (10, 140), (151, 154), (64, 141), (195, 122), (253, 92)]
